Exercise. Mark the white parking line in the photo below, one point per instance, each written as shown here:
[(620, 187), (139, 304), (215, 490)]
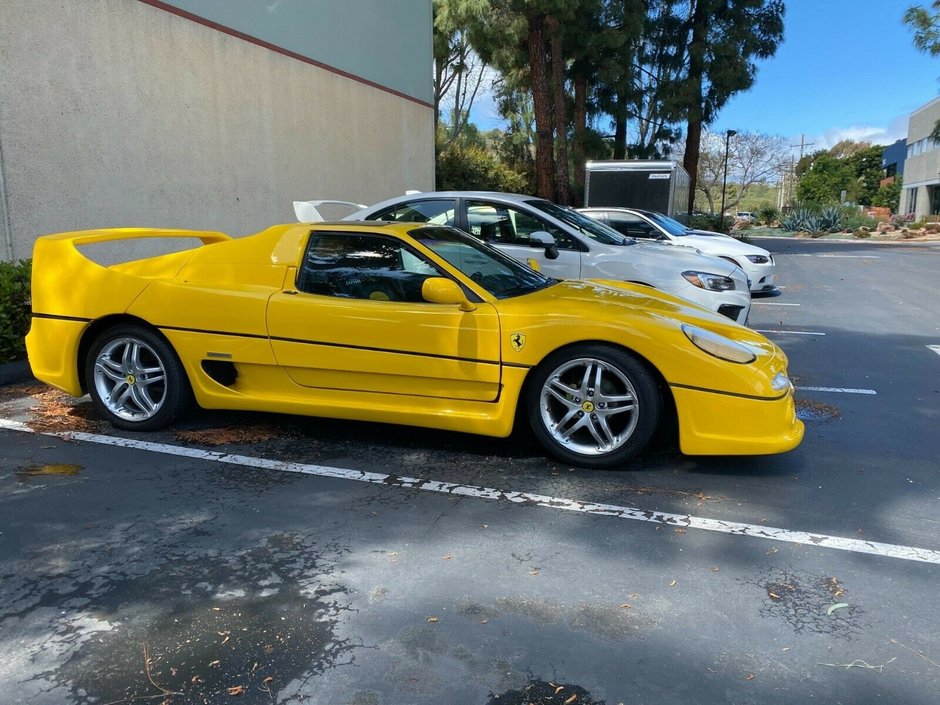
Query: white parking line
[(908, 553), (788, 332), (839, 390), (935, 348), (839, 256)]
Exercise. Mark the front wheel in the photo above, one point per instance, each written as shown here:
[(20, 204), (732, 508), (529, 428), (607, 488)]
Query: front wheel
[(135, 380), (593, 406)]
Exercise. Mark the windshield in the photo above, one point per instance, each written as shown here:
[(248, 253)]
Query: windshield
[(593, 229), (670, 225), (496, 272)]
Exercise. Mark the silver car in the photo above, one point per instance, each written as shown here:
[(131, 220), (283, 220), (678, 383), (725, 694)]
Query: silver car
[(566, 244)]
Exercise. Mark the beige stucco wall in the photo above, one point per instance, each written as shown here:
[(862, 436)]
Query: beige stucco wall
[(921, 171), (116, 113)]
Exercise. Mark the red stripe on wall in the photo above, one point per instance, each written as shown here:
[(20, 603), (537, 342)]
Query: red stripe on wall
[(172, 9)]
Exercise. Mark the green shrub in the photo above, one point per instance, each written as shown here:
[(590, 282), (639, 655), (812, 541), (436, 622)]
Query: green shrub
[(14, 309), (854, 220), (713, 222), (474, 169), (768, 214)]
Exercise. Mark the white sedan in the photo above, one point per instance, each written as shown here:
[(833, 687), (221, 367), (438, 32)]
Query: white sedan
[(756, 262), (566, 244)]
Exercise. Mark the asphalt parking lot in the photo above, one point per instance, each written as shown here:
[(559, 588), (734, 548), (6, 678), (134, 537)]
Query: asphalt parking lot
[(259, 558)]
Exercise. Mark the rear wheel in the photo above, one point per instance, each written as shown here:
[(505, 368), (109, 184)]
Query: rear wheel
[(135, 380), (593, 406)]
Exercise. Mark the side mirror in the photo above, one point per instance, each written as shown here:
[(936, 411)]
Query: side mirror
[(540, 238), (439, 290)]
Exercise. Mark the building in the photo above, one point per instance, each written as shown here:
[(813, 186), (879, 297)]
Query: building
[(207, 114), (893, 160), (920, 195)]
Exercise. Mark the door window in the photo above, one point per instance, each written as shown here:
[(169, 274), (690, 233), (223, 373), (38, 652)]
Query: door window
[(359, 266), (434, 211), (498, 223)]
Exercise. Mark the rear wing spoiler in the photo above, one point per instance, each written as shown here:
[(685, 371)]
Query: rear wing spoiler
[(89, 237), (309, 211)]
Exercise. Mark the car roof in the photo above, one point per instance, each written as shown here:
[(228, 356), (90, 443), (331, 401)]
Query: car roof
[(419, 195)]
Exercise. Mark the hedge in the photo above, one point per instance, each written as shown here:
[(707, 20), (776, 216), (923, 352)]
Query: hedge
[(14, 309)]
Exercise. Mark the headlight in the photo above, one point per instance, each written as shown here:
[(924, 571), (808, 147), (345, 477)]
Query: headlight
[(712, 282), (718, 345), (758, 259), (780, 382)]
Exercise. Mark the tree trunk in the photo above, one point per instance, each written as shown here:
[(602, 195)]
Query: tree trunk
[(620, 128), (696, 71), (541, 102), (562, 191), (580, 134)]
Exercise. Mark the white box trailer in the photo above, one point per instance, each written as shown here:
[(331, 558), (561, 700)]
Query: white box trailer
[(661, 186)]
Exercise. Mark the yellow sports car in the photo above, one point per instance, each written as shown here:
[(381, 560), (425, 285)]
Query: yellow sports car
[(394, 323)]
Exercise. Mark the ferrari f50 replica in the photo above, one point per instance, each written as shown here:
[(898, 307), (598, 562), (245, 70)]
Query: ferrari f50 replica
[(425, 326)]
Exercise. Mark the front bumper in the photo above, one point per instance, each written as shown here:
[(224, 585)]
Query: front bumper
[(715, 423)]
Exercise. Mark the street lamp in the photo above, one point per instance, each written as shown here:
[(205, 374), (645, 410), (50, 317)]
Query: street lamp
[(724, 179)]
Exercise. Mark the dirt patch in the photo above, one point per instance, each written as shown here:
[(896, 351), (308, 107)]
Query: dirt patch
[(807, 410), (230, 435), (53, 410)]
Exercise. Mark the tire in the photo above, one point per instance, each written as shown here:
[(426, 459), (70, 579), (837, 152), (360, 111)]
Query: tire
[(593, 406), (135, 379)]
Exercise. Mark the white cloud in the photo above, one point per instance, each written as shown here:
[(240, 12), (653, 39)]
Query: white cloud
[(888, 135)]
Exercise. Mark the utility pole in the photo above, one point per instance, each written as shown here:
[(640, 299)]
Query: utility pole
[(802, 145)]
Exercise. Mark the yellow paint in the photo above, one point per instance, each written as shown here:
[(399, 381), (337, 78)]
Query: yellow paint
[(452, 364)]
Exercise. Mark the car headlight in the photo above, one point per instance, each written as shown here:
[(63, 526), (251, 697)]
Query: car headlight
[(718, 345), (758, 259), (780, 382), (712, 282)]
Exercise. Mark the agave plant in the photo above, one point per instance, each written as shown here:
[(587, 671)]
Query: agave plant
[(801, 220), (831, 220)]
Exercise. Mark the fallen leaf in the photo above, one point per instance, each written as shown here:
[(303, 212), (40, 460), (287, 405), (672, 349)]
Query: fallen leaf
[(673, 583), (559, 689), (216, 609), (269, 680), (236, 690), (749, 677), (626, 606), (448, 557), (774, 596), (534, 571), (634, 595), (679, 531), (571, 699), (215, 663), (715, 569), (432, 620), (836, 606)]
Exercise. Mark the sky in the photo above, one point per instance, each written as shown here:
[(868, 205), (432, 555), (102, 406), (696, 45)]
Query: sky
[(845, 69)]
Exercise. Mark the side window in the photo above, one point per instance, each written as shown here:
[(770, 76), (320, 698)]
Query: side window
[(433, 211), (632, 226), (493, 222), (359, 266)]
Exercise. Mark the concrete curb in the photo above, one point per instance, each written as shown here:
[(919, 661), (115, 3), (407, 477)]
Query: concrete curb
[(15, 372)]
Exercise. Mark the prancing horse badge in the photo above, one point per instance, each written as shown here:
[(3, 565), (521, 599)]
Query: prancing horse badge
[(517, 340)]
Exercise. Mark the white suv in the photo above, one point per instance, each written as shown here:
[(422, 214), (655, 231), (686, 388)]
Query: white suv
[(566, 244)]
